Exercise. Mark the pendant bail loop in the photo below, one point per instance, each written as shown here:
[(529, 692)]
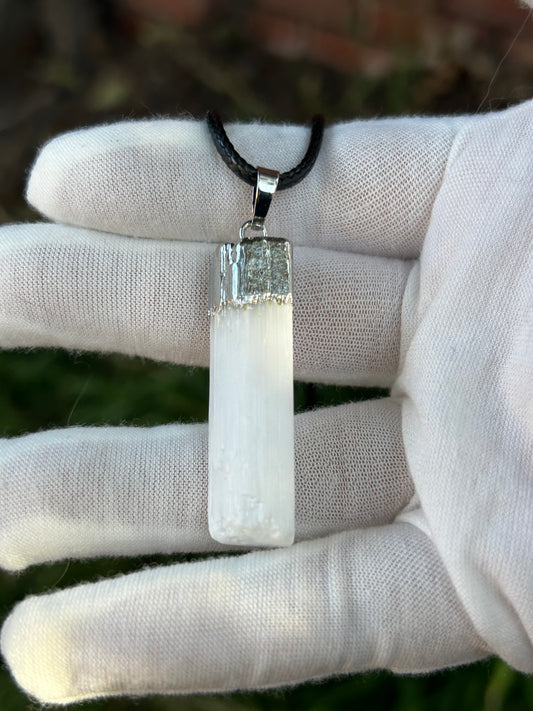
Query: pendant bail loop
[(264, 189)]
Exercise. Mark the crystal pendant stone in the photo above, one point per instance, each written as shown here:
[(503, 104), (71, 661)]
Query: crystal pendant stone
[(251, 418)]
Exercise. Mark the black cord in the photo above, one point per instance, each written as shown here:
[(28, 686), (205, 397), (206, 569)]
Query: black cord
[(247, 172)]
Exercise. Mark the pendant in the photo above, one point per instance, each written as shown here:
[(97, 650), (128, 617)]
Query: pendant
[(251, 410)]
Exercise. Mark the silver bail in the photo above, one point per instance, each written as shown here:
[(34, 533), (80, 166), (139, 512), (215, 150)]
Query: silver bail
[(267, 182)]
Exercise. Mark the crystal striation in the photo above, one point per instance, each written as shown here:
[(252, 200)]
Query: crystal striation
[(251, 419)]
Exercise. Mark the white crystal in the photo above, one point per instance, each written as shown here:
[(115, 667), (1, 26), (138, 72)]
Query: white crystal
[(251, 425)]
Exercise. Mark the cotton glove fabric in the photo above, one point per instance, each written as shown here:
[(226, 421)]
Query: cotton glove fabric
[(414, 270)]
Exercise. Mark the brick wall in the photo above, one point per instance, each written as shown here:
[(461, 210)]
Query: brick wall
[(367, 36)]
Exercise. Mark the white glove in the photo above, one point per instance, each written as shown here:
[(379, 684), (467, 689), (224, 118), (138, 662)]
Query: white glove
[(413, 268)]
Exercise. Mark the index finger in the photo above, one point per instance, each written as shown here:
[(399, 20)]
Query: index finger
[(371, 190)]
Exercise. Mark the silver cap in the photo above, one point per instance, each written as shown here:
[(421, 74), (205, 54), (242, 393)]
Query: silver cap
[(250, 272)]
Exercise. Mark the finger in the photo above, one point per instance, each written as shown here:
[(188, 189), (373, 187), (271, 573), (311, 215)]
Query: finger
[(371, 190), (361, 600), (87, 492), (86, 290)]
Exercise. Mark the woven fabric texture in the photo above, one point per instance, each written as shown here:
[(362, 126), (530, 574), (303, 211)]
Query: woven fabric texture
[(414, 270)]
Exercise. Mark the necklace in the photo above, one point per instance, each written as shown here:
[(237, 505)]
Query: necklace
[(251, 411)]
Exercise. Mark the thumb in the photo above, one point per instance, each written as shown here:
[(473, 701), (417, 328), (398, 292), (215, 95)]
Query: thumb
[(378, 598)]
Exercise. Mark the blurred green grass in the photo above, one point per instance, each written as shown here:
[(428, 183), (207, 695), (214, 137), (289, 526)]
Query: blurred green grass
[(113, 68)]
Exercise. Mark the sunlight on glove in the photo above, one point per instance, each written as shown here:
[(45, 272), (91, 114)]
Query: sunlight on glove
[(413, 270)]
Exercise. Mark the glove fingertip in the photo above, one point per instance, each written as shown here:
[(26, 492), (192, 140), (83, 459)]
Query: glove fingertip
[(36, 652), (45, 177)]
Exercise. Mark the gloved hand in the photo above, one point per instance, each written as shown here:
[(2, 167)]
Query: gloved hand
[(413, 269)]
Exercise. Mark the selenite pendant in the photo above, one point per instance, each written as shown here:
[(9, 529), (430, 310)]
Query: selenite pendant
[(251, 414)]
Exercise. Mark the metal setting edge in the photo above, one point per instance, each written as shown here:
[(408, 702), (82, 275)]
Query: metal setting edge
[(250, 272)]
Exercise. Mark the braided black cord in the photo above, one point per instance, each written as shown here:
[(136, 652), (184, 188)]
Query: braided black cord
[(247, 172)]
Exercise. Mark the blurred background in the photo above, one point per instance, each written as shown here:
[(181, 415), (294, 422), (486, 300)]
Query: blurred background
[(70, 63)]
